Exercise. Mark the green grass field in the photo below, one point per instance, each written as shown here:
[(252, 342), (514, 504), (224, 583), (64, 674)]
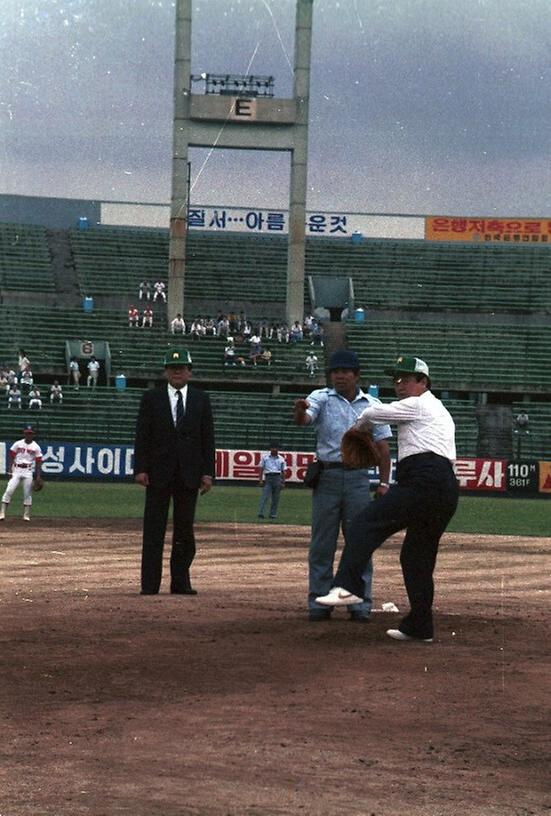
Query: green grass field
[(527, 517)]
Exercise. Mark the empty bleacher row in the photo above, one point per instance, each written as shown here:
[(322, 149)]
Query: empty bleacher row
[(387, 274), (484, 356), (397, 274), (220, 267), (25, 259), (439, 276)]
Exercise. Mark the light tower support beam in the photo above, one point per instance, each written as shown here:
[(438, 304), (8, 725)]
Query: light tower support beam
[(245, 123)]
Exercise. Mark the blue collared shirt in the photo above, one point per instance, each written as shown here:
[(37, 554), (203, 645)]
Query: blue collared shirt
[(272, 464), (332, 415)]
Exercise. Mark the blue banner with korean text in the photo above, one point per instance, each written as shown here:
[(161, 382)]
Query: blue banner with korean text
[(66, 460)]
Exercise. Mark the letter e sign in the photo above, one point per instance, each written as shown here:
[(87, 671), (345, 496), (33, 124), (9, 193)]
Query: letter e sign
[(244, 108)]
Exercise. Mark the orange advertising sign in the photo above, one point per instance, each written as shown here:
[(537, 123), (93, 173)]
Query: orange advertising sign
[(504, 230), (545, 477)]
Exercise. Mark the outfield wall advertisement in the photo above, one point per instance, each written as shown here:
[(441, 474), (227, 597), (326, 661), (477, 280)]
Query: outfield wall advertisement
[(66, 460)]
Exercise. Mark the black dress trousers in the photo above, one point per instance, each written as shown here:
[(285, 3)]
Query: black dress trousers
[(157, 502), (422, 502)]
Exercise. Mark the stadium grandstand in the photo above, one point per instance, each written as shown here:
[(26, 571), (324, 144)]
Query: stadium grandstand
[(479, 313)]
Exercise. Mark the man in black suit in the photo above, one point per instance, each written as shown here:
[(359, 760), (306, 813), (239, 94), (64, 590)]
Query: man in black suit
[(173, 458)]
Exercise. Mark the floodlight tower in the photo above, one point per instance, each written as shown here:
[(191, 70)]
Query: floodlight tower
[(240, 112)]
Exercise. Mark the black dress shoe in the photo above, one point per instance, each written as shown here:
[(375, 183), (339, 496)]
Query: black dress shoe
[(149, 592), (359, 617), (188, 591), (315, 615)]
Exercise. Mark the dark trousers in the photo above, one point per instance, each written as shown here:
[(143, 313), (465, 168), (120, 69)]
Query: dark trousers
[(422, 502), (157, 502)]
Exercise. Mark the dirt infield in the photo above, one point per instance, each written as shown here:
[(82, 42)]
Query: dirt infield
[(231, 703)]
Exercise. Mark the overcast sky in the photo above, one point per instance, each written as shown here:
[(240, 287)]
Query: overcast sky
[(417, 106)]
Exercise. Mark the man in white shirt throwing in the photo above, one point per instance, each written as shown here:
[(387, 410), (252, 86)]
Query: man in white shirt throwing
[(422, 501)]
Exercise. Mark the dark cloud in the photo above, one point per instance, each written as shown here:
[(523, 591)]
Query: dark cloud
[(416, 105)]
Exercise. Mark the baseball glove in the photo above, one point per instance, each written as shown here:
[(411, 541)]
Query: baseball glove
[(38, 484), (359, 450)]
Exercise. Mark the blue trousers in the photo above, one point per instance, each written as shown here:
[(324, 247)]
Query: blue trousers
[(270, 491), (422, 502), (340, 495)]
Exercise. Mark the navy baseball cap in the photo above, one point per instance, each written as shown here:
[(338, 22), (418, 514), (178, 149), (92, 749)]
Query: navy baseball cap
[(28, 429), (344, 359)]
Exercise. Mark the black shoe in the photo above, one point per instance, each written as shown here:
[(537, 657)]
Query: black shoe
[(149, 592), (260, 515), (188, 591), (319, 615), (360, 617)]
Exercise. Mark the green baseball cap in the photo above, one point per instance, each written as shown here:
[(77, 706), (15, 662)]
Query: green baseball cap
[(408, 365), (177, 357)]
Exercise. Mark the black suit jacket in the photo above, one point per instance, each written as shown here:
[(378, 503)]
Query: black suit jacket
[(162, 452)]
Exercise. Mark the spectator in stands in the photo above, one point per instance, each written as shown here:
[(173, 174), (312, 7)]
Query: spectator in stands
[(178, 325), (210, 326), (74, 370), (11, 377), (160, 292), (232, 322), (4, 384), (145, 290), (307, 326), (317, 334), (197, 329), (35, 400), (340, 494), (295, 335), (266, 357), (272, 334), (26, 380), (24, 361), (247, 331), (14, 397), (283, 333), (264, 328), (311, 364), (133, 316), (56, 393), (222, 327), (230, 353), (522, 422), (255, 349), (242, 319), (147, 318), (93, 372)]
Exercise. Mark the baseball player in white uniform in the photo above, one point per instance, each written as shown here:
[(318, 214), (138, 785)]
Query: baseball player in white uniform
[(25, 459)]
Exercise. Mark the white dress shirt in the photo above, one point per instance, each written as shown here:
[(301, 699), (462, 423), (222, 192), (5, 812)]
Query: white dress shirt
[(173, 397), (424, 425)]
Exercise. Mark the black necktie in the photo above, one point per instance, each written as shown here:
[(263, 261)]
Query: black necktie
[(179, 410)]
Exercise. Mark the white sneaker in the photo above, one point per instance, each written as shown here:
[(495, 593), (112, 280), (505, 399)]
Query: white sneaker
[(26, 515), (398, 635), (338, 597), (2, 516)]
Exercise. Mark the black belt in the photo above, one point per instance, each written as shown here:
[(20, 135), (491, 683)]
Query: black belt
[(20, 465), (424, 455), (340, 465)]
